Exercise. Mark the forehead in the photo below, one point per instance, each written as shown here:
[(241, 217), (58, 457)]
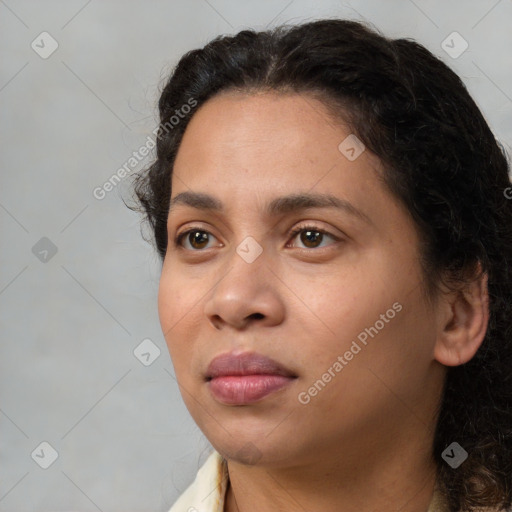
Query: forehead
[(244, 115), (244, 147), (270, 133), (259, 153)]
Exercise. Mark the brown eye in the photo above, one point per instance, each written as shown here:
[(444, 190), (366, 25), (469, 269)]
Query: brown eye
[(197, 239), (311, 237)]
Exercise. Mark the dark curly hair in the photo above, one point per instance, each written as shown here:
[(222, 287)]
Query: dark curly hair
[(441, 160)]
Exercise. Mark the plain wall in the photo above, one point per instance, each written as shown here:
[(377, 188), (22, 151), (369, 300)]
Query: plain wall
[(70, 321)]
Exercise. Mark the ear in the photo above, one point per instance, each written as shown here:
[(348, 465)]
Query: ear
[(463, 320)]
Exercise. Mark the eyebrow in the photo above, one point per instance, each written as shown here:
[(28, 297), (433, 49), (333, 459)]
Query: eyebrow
[(278, 206)]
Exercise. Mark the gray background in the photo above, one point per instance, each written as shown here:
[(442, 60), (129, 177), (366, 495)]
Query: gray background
[(70, 322)]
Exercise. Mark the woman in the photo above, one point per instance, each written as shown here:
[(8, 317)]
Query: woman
[(332, 214)]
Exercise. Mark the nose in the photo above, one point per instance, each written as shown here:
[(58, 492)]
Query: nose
[(247, 293)]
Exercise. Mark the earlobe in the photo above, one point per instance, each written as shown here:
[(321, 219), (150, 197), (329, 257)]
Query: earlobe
[(464, 320)]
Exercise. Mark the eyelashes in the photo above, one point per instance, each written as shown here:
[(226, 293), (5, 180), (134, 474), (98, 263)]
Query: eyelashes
[(310, 230)]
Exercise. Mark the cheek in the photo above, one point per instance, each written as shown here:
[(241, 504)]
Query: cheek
[(397, 353), (414, 336), (172, 306), (166, 302), (374, 320), (179, 303), (177, 295)]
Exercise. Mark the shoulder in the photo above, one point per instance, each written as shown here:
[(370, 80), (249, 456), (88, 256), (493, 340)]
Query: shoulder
[(206, 493)]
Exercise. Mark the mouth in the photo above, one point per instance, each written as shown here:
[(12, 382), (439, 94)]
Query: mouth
[(246, 378)]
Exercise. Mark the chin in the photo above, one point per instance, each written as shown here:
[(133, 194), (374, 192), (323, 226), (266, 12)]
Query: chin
[(258, 451), (247, 454)]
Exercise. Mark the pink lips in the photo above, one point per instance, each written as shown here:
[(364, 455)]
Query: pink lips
[(245, 378)]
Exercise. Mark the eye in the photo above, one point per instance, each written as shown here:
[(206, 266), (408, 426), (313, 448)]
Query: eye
[(311, 236), (198, 238)]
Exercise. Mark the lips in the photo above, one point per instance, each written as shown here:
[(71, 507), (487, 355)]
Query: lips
[(245, 378), (248, 363)]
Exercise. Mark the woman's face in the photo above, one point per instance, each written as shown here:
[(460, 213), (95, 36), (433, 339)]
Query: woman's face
[(338, 305)]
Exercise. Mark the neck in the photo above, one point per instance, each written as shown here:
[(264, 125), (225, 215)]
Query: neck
[(400, 476)]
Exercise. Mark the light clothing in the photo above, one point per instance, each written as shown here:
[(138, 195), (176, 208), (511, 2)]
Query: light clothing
[(207, 492)]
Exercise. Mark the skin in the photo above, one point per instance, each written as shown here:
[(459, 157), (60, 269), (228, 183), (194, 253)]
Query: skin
[(364, 442)]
